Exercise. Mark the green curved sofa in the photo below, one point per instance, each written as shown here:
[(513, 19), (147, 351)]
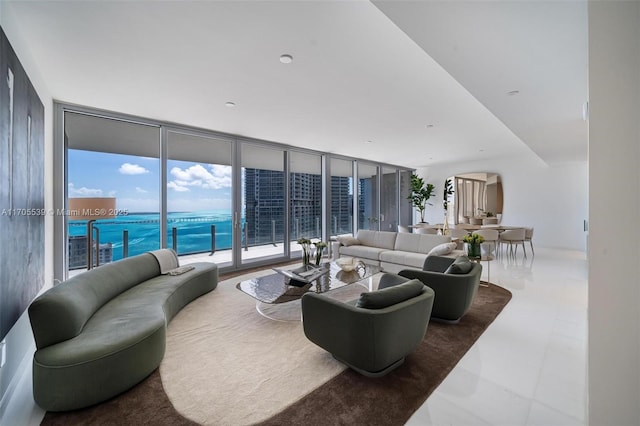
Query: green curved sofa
[(103, 331)]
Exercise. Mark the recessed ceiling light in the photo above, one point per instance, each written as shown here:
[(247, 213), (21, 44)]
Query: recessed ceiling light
[(230, 104), (368, 142), (481, 150), (513, 92), (286, 59), (429, 126)]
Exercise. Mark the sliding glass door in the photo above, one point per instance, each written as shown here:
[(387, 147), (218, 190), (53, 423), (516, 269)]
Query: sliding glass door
[(110, 159), (406, 208), (199, 197), (305, 198), (341, 190), (262, 215), (389, 200), (368, 216)]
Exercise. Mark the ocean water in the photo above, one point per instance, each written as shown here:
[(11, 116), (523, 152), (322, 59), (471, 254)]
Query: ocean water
[(193, 231)]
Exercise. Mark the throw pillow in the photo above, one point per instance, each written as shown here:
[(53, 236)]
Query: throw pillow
[(348, 240), (462, 265), (390, 295), (442, 249)]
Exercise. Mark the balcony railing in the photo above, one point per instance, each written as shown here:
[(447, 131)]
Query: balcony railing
[(187, 235)]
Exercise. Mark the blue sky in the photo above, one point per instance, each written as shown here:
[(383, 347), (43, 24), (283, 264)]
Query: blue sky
[(134, 181)]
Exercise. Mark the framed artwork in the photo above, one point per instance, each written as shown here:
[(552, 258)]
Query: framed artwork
[(21, 189)]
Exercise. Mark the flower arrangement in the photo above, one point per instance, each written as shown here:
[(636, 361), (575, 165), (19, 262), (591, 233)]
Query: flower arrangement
[(320, 246), (473, 239), (306, 243), (473, 248)]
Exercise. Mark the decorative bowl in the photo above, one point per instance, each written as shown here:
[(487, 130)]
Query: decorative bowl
[(348, 264)]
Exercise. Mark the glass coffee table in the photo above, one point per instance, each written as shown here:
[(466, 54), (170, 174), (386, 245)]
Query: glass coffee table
[(278, 297)]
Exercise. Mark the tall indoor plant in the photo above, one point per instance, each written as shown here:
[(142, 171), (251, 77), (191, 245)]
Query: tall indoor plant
[(420, 194), (448, 191)]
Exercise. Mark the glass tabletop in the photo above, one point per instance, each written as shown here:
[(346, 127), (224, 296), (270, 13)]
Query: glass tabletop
[(276, 288)]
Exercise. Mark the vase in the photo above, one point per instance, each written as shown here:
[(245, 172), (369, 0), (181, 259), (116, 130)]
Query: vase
[(306, 257), (473, 250)]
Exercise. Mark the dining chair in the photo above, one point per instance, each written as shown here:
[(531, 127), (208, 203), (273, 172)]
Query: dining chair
[(458, 233), (490, 236), (528, 236), (513, 237)]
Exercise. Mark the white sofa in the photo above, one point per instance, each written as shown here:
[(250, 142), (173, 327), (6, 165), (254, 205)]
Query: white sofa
[(392, 251)]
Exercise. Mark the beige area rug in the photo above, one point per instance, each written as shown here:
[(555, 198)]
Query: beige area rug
[(226, 364)]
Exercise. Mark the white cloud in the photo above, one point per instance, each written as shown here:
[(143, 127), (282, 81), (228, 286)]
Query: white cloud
[(83, 192), (140, 190), (216, 177), (176, 187), (112, 193), (132, 169)]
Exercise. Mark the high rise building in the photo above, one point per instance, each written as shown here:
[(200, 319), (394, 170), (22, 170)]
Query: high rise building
[(341, 205), (264, 201), (78, 252)]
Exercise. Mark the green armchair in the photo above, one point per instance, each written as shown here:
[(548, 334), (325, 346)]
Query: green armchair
[(373, 334), (454, 288)]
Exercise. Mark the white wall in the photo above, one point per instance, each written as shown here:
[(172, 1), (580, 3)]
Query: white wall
[(552, 199), (614, 181), (19, 341)]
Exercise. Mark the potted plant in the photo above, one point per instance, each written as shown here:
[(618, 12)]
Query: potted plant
[(448, 190), (420, 194), (473, 244)]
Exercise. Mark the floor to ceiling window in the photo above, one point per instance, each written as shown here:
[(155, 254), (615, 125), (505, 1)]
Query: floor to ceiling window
[(210, 196), (305, 197), (368, 217), (263, 215), (341, 190), (106, 159), (389, 199), (199, 195), (406, 209)]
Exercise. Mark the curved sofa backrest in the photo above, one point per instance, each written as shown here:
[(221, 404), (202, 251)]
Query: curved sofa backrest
[(60, 313)]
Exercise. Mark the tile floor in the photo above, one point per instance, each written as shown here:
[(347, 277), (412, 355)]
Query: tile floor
[(528, 368)]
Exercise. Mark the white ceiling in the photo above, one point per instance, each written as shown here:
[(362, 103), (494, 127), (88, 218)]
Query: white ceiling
[(361, 72)]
